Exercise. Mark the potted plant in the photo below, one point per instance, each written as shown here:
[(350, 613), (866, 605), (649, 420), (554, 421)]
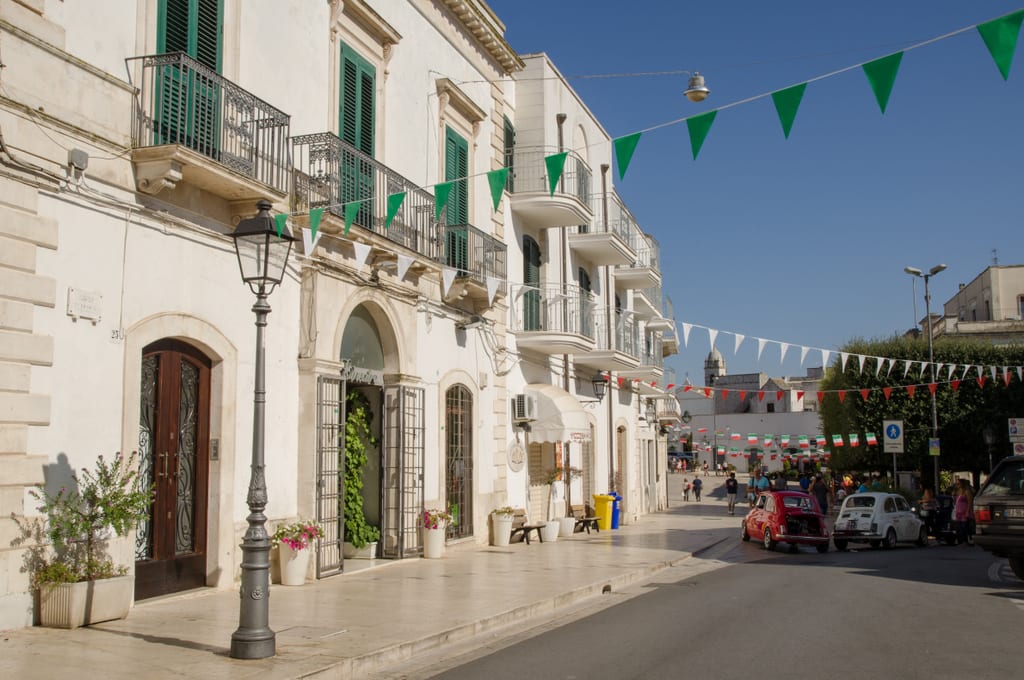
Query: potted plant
[(567, 523), (360, 536), (501, 523), (293, 541), (80, 584), (434, 522)]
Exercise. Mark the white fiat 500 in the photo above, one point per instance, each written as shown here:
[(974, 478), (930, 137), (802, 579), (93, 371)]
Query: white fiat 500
[(880, 519)]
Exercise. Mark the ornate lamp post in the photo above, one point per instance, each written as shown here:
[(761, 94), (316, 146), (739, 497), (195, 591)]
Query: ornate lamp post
[(262, 257), (914, 271)]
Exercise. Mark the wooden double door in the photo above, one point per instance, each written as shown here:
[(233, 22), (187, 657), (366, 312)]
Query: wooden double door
[(174, 435)]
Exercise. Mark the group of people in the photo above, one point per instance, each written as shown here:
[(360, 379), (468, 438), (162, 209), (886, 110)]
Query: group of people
[(694, 487)]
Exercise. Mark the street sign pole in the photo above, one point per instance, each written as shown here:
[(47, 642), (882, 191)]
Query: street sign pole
[(892, 441)]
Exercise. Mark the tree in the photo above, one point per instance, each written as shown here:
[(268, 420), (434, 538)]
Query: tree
[(965, 406)]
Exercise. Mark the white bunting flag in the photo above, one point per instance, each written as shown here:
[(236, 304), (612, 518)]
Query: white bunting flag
[(404, 262), (739, 341), (362, 252), (843, 356), (760, 347), (307, 243), (888, 372), (712, 335), (686, 333), (448, 278), (492, 288), (878, 365), (1020, 373), (967, 369), (860, 361), (906, 367), (783, 348), (992, 370), (803, 354), (952, 370), (825, 354)]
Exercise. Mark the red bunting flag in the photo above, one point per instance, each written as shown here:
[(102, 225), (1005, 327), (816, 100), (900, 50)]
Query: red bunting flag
[(911, 389), (707, 392), (821, 397), (864, 394), (760, 395), (654, 383), (799, 395), (1006, 378), (702, 429), (620, 379), (871, 439), (687, 388), (981, 381), (743, 395), (670, 386), (773, 456), (932, 387), (887, 391), (842, 396), (778, 395), (725, 394)]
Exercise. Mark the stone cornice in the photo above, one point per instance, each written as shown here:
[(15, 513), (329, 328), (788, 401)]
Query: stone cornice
[(488, 30)]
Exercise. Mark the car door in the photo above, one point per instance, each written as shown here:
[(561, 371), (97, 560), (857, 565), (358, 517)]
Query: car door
[(892, 518), (909, 521)]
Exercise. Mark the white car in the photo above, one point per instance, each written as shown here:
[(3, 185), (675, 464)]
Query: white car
[(880, 519)]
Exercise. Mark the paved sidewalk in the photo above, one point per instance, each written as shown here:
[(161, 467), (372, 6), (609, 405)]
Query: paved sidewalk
[(349, 625)]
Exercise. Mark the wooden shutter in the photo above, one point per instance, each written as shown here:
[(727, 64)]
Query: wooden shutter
[(193, 27), (510, 146), (456, 167), (358, 85)]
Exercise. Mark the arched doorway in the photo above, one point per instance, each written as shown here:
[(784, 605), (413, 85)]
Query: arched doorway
[(170, 545)]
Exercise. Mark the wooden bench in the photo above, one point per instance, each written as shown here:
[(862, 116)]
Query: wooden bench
[(585, 518), (521, 528)]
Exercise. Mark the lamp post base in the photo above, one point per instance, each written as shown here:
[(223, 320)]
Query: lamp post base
[(255, 647)]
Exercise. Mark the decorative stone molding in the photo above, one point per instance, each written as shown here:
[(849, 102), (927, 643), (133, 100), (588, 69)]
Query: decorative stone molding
[(449, 94)]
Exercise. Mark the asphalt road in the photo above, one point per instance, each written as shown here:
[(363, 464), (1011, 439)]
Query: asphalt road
[(739, 612)]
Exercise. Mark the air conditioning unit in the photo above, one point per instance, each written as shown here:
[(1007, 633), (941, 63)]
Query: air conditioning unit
[(524, 408)]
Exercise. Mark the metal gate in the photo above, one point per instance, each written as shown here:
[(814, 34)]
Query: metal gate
[(330, 473), (404, 445)]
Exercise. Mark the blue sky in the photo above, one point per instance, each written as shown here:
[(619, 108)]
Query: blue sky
[(803, 240)]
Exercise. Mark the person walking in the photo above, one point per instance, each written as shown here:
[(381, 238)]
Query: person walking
[(705, 470), (686, 489), (697, 484), (820, 492), (731, 488), (962, 510)]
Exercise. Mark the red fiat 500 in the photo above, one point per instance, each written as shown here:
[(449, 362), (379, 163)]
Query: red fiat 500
[(790, 517)]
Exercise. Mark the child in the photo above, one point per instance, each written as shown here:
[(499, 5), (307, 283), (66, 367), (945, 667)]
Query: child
[(686, 489)]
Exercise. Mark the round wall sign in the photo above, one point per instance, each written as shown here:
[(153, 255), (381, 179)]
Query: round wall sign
[(516, 457)]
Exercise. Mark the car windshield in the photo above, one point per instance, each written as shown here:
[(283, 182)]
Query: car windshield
[(856, 501), (798, 502), (1007, 479)]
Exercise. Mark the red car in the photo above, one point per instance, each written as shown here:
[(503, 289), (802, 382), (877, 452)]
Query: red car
[(789, 517)]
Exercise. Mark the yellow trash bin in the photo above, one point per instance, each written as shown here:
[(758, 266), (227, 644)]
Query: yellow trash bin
[(603, 509)]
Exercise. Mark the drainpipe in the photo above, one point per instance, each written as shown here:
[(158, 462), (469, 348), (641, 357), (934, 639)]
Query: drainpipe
[(560, 121), (609, 294)]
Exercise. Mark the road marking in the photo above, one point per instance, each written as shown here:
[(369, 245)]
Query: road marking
[(1000, 572)]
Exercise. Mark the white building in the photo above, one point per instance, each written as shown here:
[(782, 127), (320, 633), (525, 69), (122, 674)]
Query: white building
[(990, 308), (128, 161)]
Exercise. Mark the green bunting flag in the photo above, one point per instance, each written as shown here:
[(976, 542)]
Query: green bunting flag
[(314, 221), (787, 101), (624, 148), (699, 127), (394, 203), (351, 210), (881, 75), (1000, 36), (441, 193), (555, 165), (280, 221), (497, 179)]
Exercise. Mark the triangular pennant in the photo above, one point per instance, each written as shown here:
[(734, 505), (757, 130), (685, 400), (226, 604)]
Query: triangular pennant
[(843, 357), (707, 392), (760, 347), (624, 148), (712, 334), (911, 389), (932, 387), (881, 75), (952, 370), (825, 355), (280, 221), (760, 395), (787, 102), (686, 333), (447, 279), (955, 384), (492, 288), (497, 180), (842, 396), (743, 395), (362, 252), (906, 367), (725, 394), (1020, 373), (887, 391), (441, 193), (888, 371), (799, 395), (739, 341), (394, 203), (1000, 36), (1006, 376), (821, 396), (803, 354), (981, 381), (878, 365), (620, 380), (307, 242), (779, 394), (404, 262), (860, 363), (699, 126), (967, 369), (555, 165), (315, 216), (351, 210), (992, 371), (783, 348), (864, 394)]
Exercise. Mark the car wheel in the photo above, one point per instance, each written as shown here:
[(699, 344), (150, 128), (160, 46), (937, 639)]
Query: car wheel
[(890, 539), (840, 544), (823, 548), (769, 542), (745, 536), (1017, 564), (922, 537)]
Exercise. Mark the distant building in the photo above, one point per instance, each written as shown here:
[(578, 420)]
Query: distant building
[(990, 308)]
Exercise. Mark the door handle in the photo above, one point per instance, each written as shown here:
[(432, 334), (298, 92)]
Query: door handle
[(163, 455)]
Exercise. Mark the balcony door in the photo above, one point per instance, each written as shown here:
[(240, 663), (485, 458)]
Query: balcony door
[(356, 120), (456, 170), (531, 281), (187, 98)]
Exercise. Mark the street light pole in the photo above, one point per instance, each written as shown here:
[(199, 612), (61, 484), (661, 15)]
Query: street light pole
[(913, 271)]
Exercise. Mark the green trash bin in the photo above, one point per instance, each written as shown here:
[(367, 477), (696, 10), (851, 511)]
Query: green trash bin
[(603, 509)]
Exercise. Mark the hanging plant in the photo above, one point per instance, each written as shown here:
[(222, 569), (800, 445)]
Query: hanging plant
[(358, 437)]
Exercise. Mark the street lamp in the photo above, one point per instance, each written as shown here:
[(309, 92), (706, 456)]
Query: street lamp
[(600, 384), (990, 438), (914, 271), (262, 257), (696, 91)]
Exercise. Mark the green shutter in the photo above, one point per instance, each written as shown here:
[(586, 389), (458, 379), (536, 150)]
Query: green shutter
[(456, 167), (355, 122), (193, 27), (510, 146), (531, 277)]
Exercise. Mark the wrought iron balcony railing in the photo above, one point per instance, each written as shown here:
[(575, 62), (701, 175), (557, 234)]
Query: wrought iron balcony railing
[(647, 251), (624, 333), (530, 174), (181, 101), (620, 220), (474, 254), (553, 308), (332, 173), (651, 353)]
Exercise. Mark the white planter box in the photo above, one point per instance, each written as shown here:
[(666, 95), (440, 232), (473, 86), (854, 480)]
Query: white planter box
[(367, 552), (549, 531), (566, 527), (502, 525), (70, 605)]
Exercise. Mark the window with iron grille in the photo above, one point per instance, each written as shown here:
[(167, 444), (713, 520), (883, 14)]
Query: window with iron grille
[(459, 460)]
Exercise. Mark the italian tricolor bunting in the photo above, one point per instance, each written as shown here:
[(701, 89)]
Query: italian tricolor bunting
[(837, 440), (871, 439)]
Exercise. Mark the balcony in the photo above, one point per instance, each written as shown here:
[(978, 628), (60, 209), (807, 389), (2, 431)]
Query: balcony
[(331, 173), (651, 364), (644, 271), (553, 319), (605, 241), (191, 124), (479, 260), (647, 302), (530, 192), (614, 352)]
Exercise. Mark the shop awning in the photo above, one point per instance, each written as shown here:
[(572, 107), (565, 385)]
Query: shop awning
[(560, 417)]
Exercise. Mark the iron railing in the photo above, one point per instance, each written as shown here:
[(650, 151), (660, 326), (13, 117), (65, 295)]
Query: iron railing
[(531, 173), (180, 101), (474, 254), (553, 308), (331, 173), (620, 221), (647, 252), (624, 333), (653, 296), (651, 352)]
